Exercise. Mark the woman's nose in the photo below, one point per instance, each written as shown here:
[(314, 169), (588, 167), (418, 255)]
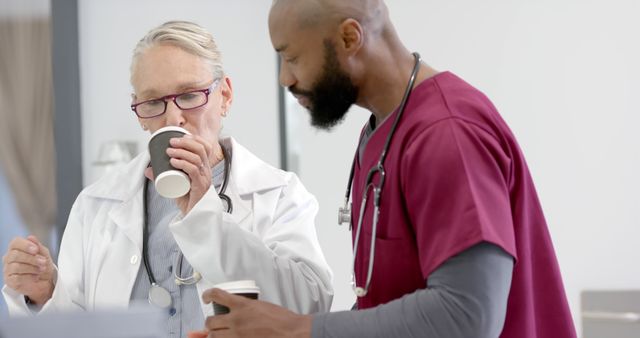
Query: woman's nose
[(174, 115)]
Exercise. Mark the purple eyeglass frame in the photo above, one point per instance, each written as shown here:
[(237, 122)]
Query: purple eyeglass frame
[(172, 97)]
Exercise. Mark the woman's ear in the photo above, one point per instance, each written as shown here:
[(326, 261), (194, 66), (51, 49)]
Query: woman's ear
[(227, 95)]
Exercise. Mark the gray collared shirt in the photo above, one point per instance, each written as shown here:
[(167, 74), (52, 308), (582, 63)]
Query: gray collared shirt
[(185, 313)]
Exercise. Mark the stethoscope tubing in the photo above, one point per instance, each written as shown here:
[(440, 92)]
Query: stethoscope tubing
[(145, 229), (377, 189)]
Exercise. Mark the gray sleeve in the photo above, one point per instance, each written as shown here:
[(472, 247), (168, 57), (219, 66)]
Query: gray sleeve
[(466, 297)]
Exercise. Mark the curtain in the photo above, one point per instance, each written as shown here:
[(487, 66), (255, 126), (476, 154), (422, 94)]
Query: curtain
[(26, 120)]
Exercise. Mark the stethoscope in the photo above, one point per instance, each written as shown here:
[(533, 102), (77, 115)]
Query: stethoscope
[(159, 296), (344, 213)]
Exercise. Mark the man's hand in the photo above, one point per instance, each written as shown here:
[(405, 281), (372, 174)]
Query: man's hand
[(28, 269), (253, 318)]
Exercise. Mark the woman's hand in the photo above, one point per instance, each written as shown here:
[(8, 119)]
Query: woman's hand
[(28, 269), (195, 156)]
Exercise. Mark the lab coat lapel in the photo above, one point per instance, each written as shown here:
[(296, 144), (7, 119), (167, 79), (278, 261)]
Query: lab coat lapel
[(129, 218), (241, 205), (249, 176), (126, 188), (129, 215), (118, 266), (121, 263)]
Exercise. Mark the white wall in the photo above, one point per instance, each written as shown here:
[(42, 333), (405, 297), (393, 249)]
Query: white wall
[(565, 76), (109, 30)]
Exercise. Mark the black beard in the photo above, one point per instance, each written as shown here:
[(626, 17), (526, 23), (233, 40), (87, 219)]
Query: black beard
[(332, 94)]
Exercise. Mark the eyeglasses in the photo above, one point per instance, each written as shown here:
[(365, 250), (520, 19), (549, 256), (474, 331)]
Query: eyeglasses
[(185, 101)]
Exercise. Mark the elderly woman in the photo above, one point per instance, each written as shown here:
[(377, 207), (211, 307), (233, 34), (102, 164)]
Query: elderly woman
[(124, 242)]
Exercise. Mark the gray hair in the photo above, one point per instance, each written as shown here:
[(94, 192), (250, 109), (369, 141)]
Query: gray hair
[(186, 35)]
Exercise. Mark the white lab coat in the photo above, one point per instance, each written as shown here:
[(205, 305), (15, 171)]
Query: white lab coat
[(270, 237)]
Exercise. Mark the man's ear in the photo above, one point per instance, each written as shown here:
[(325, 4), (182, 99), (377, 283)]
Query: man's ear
[(351, 36)]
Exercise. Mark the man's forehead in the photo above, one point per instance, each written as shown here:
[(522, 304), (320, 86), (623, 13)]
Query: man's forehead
[(290, 30), (290, 40), (283, 33), (296, 14)]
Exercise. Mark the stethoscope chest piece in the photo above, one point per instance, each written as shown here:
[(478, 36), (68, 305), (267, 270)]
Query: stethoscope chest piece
[(344, 213), (360, 291), (159, 297)]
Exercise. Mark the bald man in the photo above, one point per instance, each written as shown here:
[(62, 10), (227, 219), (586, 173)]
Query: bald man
[(460, 242)]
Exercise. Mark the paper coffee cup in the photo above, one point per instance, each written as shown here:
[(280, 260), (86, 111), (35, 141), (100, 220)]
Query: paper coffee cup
[(246, 288), (169, 181)]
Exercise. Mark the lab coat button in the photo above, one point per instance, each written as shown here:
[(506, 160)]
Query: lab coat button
[(134, 259)]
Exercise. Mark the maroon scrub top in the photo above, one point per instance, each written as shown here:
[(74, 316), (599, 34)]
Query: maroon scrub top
[(455, 177)]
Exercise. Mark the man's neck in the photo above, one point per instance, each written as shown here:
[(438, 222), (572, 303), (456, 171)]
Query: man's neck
[(382, 92)]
